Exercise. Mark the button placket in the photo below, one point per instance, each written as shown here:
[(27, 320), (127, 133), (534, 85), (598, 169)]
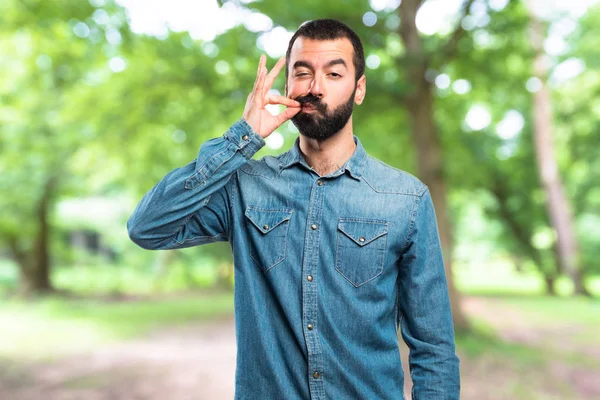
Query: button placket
[(309, 289)]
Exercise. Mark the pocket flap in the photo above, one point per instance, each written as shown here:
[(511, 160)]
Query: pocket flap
[(266, 220), (363, 232)]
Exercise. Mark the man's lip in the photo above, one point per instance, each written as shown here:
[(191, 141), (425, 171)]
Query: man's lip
[(308, 106)]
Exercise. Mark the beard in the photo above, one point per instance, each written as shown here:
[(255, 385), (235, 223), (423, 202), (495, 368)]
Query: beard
[(322, 123)]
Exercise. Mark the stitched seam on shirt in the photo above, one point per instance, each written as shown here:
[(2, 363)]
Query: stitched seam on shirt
[(412, 221), (208, 238), (389, 166), (203, 170), (233, 181), (260, 173), (286, 210), (230, 135), (365, 220), (404, 193), (366, 242)]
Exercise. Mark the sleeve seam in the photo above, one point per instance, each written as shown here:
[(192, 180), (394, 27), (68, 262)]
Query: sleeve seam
[(204, 237), (232, 206), (413, 219)]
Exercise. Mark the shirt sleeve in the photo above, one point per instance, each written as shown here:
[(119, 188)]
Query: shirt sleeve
[(425, 313), (191, 205)]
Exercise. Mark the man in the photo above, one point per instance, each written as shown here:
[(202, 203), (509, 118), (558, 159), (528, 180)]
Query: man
[(333, 249)]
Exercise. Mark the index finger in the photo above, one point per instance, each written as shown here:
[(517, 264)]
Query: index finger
[(286, 101), (273, 74)]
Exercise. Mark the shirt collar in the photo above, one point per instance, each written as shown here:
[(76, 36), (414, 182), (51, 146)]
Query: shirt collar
[(355, 165)]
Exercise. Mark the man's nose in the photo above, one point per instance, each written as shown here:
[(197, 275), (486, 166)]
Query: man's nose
[(317, 87)]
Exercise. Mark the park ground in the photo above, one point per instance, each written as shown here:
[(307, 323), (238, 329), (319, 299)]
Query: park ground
[(183, 347)]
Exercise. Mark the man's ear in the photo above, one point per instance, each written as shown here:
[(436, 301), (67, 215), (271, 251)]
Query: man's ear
[(361, 90)]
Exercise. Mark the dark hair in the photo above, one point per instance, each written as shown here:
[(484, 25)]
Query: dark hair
[(329, 29)]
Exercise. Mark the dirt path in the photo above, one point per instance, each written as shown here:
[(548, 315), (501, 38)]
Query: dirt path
[(198, 362)]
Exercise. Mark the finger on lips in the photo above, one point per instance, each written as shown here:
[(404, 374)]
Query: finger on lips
[(286, 101)]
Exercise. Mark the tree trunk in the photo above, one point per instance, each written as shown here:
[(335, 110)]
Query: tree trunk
[(34, 262), (557, 203), (429, 151), (522, 233), (42, 252), (549, 285), (35, 267)]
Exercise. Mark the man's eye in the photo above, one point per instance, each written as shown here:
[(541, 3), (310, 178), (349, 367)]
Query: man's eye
[(302, 74), (335, 75)]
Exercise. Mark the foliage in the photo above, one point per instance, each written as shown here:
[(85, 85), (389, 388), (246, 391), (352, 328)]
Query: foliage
[(100, 110)]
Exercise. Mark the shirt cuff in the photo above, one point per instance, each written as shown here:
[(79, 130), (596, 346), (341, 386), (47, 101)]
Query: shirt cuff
[(244, 138)]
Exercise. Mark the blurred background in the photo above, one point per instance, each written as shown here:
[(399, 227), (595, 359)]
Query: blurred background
[(495, 104)]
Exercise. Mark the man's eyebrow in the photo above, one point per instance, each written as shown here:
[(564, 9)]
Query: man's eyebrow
[(306, 64), (337, 61)]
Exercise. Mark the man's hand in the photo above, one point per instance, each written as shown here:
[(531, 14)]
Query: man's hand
[(255, 113)]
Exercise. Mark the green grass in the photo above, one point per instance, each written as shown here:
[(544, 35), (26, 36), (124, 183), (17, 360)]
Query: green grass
[(495, 277), (483, 341), (498, 276), (119, 279), (552, 310), (55, 326)]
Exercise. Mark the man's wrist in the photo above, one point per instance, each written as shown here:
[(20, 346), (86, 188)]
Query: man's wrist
[(246, 139)]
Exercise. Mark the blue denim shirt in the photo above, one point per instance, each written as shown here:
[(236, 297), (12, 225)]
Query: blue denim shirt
[(327, 268)]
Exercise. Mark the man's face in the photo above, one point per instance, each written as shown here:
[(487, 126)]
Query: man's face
[(322, 78)]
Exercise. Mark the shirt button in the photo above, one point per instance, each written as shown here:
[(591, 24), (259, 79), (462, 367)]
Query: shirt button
[(266, 227), (245, 137), (319, 183), (314, 227), (360, 239), (309, 278), (310, 327), (316, 375)]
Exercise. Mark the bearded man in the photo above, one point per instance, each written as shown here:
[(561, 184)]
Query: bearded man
[(334, 251)]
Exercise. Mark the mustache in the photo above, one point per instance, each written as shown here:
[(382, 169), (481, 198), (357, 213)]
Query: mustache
[(309, 98), (315, 101)]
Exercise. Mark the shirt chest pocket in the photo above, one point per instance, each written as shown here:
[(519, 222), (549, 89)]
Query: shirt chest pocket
[(360, 250), (268, 231)]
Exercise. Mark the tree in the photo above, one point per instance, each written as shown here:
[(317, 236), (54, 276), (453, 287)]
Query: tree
[(420, 103), (557, 203), (38, 137)]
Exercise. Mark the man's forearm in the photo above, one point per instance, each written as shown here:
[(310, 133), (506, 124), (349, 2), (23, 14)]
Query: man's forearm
[(163, 211), (435, 373)]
